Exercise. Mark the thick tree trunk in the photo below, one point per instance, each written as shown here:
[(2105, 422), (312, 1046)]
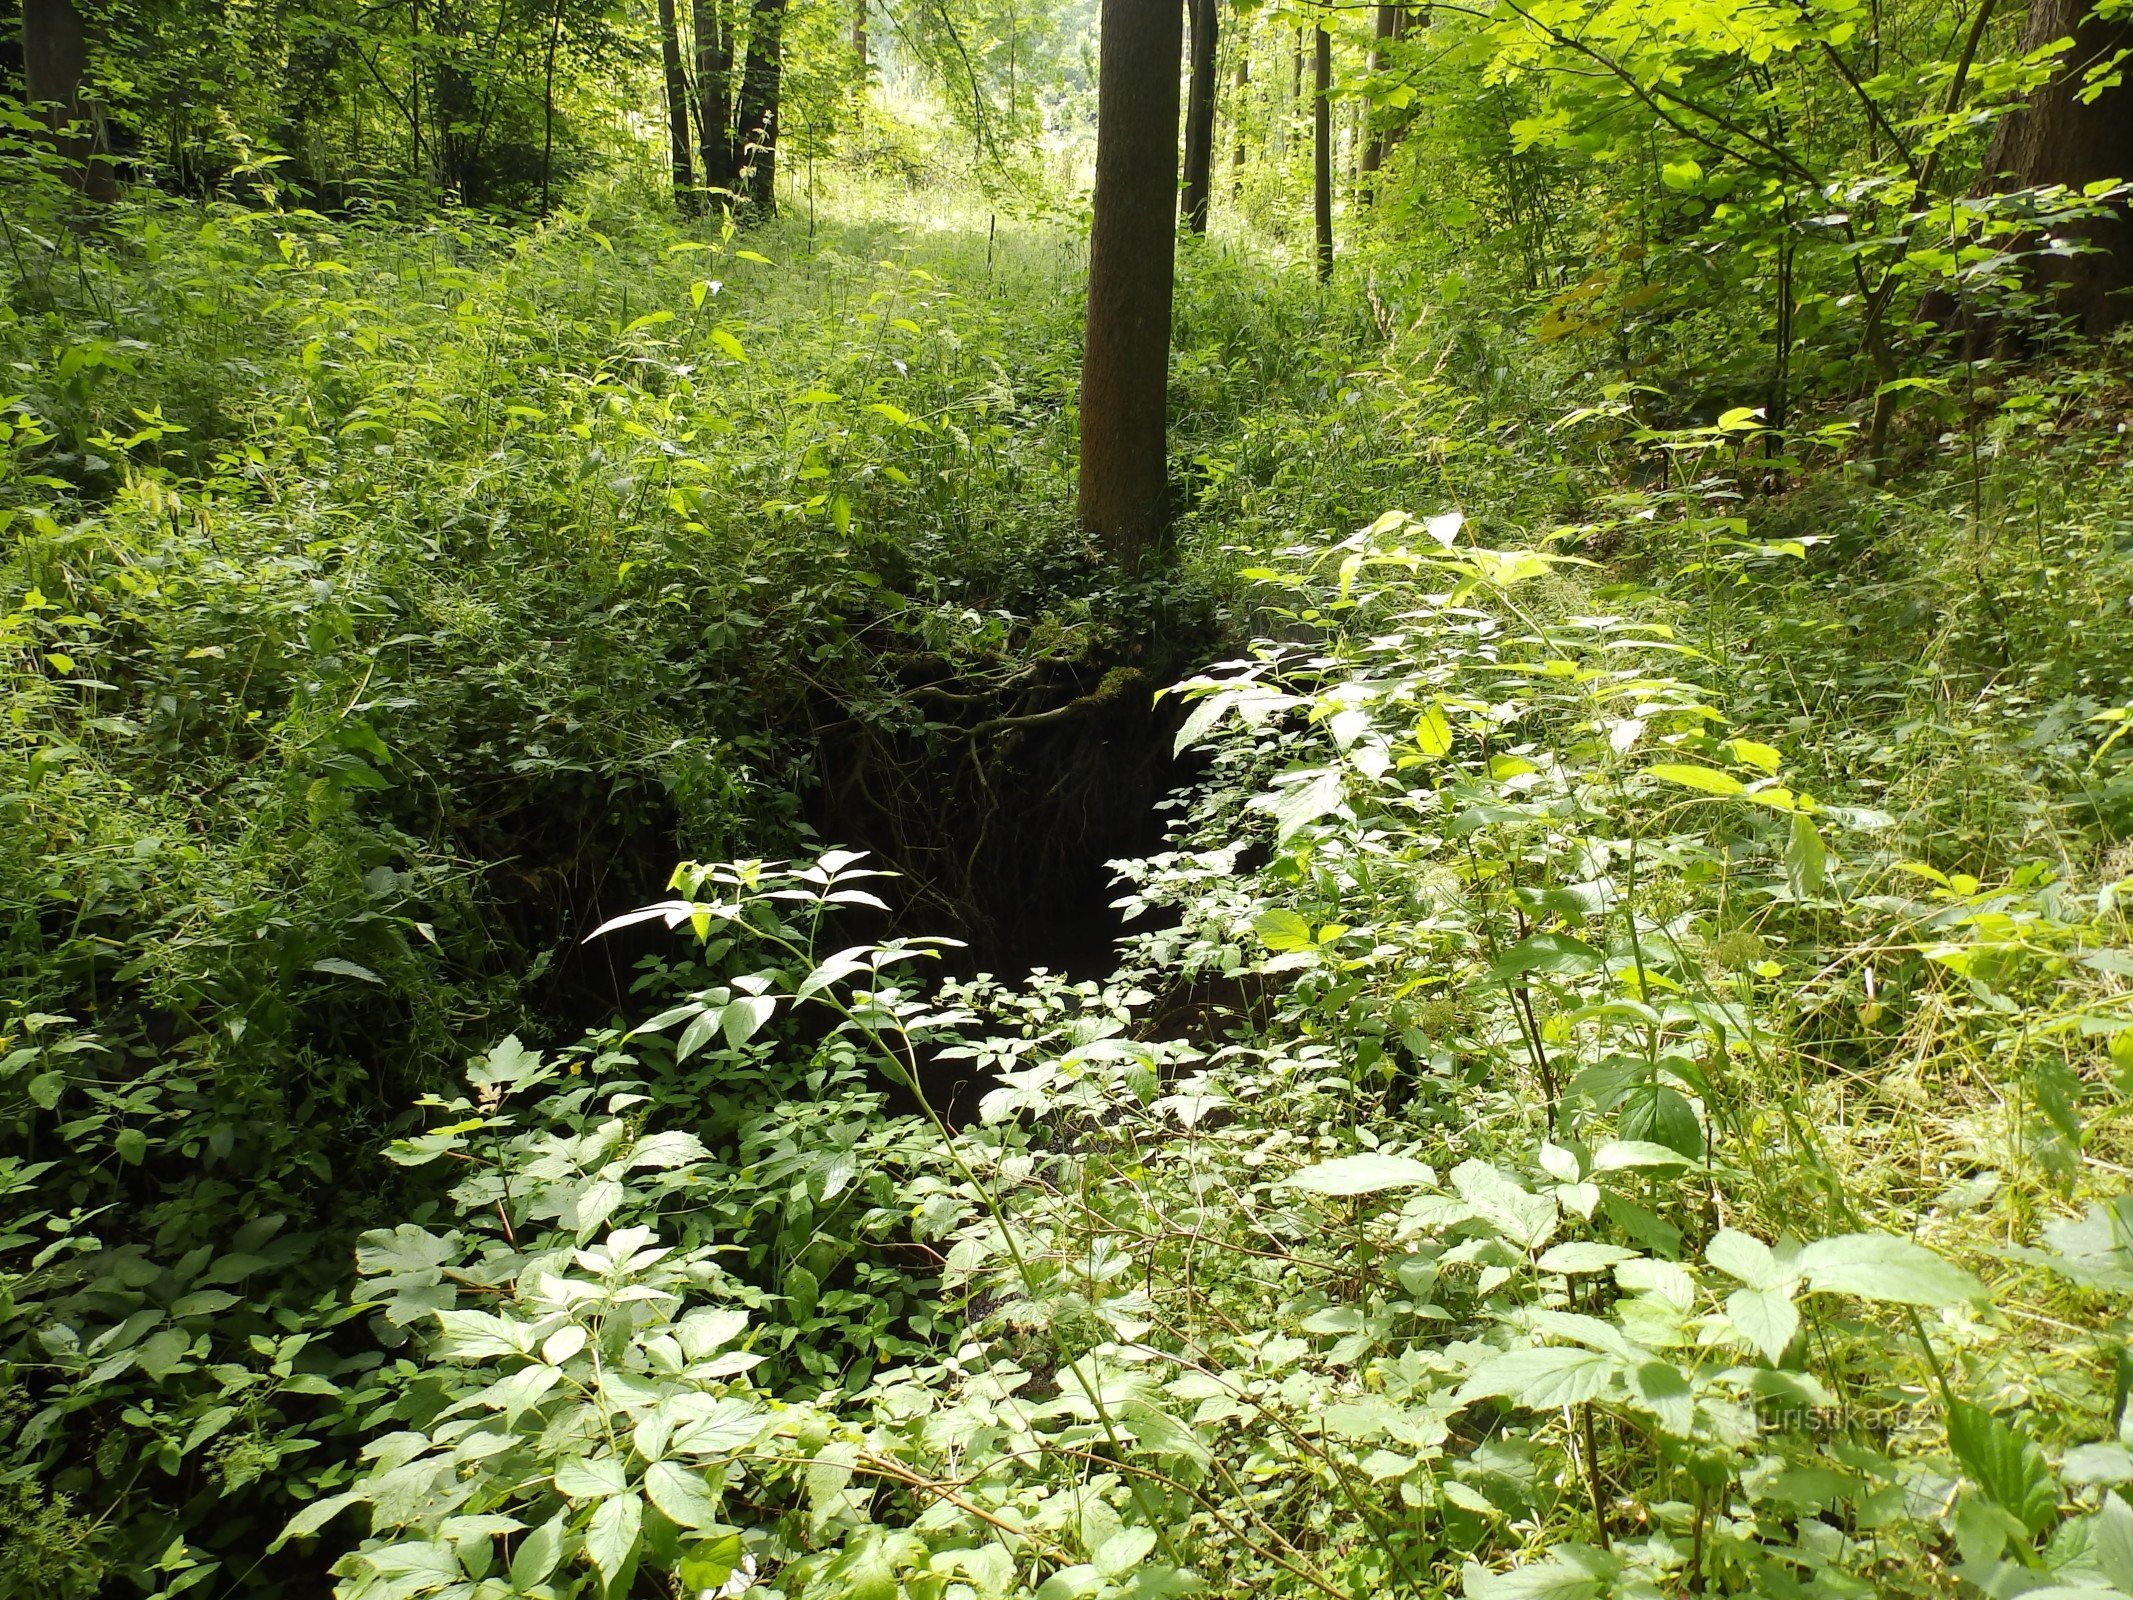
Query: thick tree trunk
[(756, 120), (714, 92), (1203, 26), (1322, 150), (1125, 370), (677, 106), (55, 68), (2058, 139)]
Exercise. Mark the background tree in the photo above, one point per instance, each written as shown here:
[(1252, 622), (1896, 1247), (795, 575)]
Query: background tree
[(2077, 130), (677, 99), (755, 125), (55, 69), (1390, 24), (1322, 147), (1203, 29), (1123, 480)]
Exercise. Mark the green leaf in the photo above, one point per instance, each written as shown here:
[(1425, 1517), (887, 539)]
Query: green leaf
[(730, 345), (1880, 1267), (1582, 1255), (1745, 1257), (681, 1493), (538, 1553), (1707, 780), (1301, 804), (1282, 930), (132, 1145), (1766, 1318), (314, 1517), (596, 1479), (1433, 733), (1541, 1378), (46, 1088), (210, 1423), (1806, 859), (1123, 1551), (1544, 952), (2005, 1463), (338, 967), (611, 1541), (1364, 1174)]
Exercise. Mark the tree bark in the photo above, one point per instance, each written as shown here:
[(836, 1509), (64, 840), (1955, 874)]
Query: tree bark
[(1125, 370), (2056, 139), (859, 34), (1389, 19), (756, 119), (714, 92), (1203, 26), (1322, 149), (55, 68), (677, 106), (1236, 114)]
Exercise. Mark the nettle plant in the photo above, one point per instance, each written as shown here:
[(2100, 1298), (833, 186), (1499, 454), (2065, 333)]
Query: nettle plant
[(1484, 1233)]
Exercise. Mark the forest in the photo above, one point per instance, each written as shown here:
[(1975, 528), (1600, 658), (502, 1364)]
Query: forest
[(1066, 799)]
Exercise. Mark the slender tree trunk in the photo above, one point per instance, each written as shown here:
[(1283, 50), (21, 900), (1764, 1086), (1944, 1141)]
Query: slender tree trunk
[(555, 38), (2057, 138), (1388, 29), (1322, 148), (55, 68), (714, 91), (1242, 83), (1125, 371), (1203, 23), (756, 120), (859, 35), (677, 106)]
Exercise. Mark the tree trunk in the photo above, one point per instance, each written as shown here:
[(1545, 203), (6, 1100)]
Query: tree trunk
[(677, 106), (1125, 370), (1203, 25), (714, 92), (1388, 29), (859, 35), (2058, 139), (1236, 114), (1322, 149), (55, 66), (756, 121)]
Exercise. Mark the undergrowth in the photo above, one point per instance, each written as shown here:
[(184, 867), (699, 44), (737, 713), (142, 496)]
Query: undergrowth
[(1615, 1084)]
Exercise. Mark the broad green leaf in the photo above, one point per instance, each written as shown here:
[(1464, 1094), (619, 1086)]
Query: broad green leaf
[(2005, 1463), (314, 1517), (1745, 1257), (1300, 804), (1433, 733), (538, 1553), (598, 1478), (1706, 780), (1123, 1551), (1582, 1255), (1544, 952), (611, 1541), (1880, 1267), (681, 1493), (1766, 1318), (1541, 1378), (1363, 1174), (1282, 930)]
